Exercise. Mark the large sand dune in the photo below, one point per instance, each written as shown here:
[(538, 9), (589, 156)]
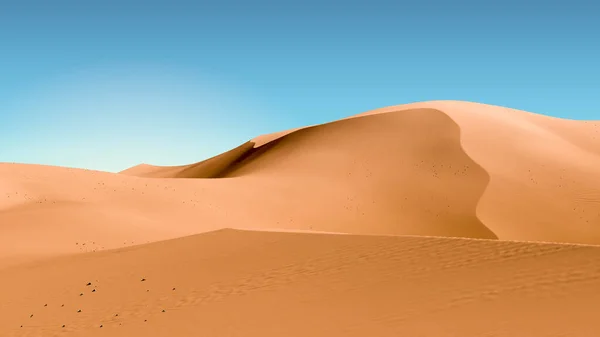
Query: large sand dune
[(422, 171), (437, 168)]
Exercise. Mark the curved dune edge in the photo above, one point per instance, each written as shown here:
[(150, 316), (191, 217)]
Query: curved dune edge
[(308, 285), (308, 232), (544, 184), (543, 170)]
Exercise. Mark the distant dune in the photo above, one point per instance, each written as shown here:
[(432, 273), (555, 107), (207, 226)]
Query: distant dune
[(432, 194)]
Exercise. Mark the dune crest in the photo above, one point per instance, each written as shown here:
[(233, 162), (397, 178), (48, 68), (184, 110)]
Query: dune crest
[(210, 168)]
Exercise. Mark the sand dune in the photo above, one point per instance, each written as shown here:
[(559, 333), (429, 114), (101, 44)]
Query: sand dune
[(406, 183), (236, 283), (534, 177)]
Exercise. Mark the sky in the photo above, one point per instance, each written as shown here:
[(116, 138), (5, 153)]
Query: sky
[(109, 84)]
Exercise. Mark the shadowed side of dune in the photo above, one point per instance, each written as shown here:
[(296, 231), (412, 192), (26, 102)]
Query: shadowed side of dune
[(544, 182), (238, 283), (209, 168)]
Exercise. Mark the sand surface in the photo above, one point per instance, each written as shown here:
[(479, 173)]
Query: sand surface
[(431, 196), (248, 283)]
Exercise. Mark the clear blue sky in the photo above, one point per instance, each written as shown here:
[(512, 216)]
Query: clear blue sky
[(110, 84)]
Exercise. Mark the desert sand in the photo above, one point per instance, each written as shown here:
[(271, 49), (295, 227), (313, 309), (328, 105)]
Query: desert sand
[(458, 219)]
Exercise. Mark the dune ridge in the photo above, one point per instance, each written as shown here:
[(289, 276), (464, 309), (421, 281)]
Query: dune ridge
[(209, 168)]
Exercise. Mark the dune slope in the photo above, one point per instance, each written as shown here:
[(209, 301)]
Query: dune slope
[(238, 283)]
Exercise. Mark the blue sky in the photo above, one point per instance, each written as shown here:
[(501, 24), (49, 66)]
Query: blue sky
[(110, 84)]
